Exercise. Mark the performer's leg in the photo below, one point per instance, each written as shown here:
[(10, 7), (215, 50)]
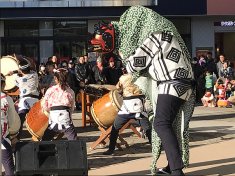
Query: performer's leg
[(22, 115), (7, 161), (145, 124), (48, 135), (167, 108), (70, 133), (119, 121)]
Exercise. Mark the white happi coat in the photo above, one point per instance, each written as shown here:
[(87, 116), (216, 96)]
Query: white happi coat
[(161, 54)]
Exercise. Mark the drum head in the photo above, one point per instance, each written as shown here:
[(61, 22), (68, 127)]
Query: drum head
[(117, 99), (9, 63), (109, 87)]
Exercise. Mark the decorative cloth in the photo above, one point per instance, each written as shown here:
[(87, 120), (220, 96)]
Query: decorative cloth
[(135, 27)]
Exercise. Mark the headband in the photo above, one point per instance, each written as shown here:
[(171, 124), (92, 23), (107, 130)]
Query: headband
[(59, 70), (23, 67)]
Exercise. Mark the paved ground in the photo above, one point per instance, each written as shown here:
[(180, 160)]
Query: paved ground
[(212, 141)]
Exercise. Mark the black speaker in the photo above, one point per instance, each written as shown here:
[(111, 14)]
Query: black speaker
[(51, 157)]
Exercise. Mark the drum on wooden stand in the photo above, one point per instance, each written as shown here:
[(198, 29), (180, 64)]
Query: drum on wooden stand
[(37, 121), (105, 109), (10, 63)]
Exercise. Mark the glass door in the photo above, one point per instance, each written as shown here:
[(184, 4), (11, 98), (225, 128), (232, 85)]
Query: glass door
[(78, 48), (25, 48)]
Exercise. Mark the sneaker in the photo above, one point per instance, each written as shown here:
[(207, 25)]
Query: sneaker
[(109, 152), (178, 172), (163, 171)]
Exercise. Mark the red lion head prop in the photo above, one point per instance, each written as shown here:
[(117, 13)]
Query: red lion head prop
[(103, 39)]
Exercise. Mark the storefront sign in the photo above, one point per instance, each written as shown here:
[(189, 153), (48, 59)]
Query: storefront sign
[(225, 23)]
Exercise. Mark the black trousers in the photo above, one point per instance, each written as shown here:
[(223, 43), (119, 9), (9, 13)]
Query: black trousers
[(120, 121), (69, 133), (22, 115), (166, 111), (7, 161)]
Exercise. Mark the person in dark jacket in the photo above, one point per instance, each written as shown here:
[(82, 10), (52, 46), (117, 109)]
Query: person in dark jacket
[(112, 73), (211, 65), (99, 72), (82, 72)]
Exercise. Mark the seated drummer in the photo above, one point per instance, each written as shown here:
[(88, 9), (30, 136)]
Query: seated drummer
[(10, 124), (59, 100), (129, 91), (27, 81)]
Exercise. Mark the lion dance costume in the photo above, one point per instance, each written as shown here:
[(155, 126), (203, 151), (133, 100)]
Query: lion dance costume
[(143, 38)]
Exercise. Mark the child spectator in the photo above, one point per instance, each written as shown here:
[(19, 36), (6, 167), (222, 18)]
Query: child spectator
[(209, 81), (208, 100)]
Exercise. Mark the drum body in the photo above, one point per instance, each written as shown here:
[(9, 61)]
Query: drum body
[(9, 63), (37, 120), (105, 109)]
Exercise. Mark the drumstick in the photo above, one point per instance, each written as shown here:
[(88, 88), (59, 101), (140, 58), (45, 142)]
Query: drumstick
[(11, 73)]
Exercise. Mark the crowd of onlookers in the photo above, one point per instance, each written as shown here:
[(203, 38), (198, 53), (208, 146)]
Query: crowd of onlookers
[(213, 76), (81, 72), (215, 80)]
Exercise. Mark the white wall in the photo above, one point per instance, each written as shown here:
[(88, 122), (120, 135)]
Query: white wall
[(202, 33)]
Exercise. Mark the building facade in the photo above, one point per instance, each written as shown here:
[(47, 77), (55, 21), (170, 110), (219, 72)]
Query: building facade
[(40, 29)]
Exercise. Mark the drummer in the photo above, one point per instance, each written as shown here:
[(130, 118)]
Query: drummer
[(129, 91), (10, 124), (27, 81), (59, 100)]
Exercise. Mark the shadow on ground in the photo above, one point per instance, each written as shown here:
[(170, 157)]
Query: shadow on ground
[(213, 117)]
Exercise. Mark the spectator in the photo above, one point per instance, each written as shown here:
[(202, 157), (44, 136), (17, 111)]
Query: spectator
[(219, 64), (208, 100), (72, 80), (47, 80), (88, 63), (83, 74), (202, 61), (199, 76), (226, 71), (211, 65), (64, 64), (99, 72), (112, 73), (42, 71), (71, 67), (55, 61), (209, 82)]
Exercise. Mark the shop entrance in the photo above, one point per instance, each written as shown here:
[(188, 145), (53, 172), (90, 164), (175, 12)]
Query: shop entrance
[(224, 44)]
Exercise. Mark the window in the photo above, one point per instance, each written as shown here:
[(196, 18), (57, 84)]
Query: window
[(70, 28), (21, 28)]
